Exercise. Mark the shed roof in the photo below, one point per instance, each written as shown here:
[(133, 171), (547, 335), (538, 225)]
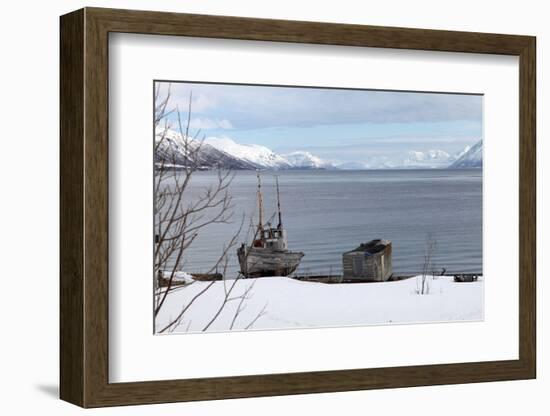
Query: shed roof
[(371, 247)]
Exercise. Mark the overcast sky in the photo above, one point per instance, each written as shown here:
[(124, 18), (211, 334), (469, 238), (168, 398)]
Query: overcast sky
[(335, 124)]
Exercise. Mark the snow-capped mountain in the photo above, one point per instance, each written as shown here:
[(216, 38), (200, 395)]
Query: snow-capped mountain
[(172, 149), (225, 153), (305, 160), (265, 158), (428, 159), (470, 157), (461, 153), (260, 156)]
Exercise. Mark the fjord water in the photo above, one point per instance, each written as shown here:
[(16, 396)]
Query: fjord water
[(328, 212)]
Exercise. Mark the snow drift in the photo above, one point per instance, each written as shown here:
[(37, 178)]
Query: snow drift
[(282, 303)]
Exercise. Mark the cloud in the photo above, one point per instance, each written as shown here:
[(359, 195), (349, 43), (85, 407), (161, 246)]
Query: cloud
[(202, 103), (253, 107), (209, 124), (180, 93)]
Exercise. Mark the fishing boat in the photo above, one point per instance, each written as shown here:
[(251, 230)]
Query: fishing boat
[(268, 255)]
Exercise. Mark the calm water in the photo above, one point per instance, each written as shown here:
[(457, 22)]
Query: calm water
[(327, 213)]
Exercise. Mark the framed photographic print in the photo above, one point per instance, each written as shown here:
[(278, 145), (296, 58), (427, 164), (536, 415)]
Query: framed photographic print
[(255, 207)]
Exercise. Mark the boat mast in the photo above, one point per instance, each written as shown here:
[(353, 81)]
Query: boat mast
[(260, 207), (278, 203)]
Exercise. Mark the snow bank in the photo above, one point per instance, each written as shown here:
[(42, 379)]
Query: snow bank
[(280, 302), (180, 277)]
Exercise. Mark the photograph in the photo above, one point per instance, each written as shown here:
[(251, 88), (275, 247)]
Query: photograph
[(293, 207)]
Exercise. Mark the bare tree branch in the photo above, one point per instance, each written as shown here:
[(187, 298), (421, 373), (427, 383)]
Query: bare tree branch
[(179, 220)]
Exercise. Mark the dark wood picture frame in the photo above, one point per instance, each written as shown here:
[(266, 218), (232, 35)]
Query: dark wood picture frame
[(84, 207)]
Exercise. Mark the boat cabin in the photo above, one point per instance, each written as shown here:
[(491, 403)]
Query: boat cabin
[(272, 238)]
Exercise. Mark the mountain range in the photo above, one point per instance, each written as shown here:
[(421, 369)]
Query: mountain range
[(228, 154), (472, 157)]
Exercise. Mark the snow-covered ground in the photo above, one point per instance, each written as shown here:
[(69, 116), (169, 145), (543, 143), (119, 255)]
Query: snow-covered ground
[(280, 302)]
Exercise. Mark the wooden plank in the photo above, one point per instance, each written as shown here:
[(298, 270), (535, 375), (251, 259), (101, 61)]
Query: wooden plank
[(227, 27), (528, 209), (71, 158)]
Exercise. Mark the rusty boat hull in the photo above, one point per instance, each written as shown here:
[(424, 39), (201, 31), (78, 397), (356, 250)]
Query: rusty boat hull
[(262, 262)]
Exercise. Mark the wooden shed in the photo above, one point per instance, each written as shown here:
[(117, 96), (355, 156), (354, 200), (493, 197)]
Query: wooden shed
[(370, 262)]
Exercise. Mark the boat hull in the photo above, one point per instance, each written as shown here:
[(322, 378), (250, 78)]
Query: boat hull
[(260, 262)]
